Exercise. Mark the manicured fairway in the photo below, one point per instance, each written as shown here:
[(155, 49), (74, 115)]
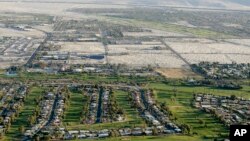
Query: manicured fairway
[(153, 138), (74, 109), (180, 105), (27, 110), (132, 116)]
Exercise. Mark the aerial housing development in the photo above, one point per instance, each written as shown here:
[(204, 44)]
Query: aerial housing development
[(133, 70)]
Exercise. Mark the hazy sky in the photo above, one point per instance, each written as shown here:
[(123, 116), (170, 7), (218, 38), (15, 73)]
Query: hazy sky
[(193, 3)]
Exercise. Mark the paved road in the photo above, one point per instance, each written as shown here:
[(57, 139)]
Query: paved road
[(29, 62), (176, 53)]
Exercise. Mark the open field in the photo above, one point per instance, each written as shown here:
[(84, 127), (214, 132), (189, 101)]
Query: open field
[(139, 46), (240, 58), (240, 41), (176, 73), (16, 33), (159, 138), (163, 60), (157, 33), (138, 49), (198, 50), (57, 9), (81, 48), (45, 27), (198, 32), (196, 58), (210, 47), (143, 55)]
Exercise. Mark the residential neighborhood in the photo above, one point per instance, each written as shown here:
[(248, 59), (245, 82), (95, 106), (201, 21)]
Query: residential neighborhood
[(124, 70), (229, 110), (219, 71), (151, 112), (12, 98)]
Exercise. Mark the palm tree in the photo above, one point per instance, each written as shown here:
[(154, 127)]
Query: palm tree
[(1, 120), (21, 129)]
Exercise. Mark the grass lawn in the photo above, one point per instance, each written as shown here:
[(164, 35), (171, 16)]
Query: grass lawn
[(88, 78), (132, 116), (185, 113), (154, 138), (74, 109), (29, 106), (2, 71)]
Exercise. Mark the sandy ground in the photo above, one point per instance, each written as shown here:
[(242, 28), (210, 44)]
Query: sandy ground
[(190, 49), (59, 9), (82, 47), (197, 58), (240, 41), (189, 40), (151, 43), (46, 27), (56, 9), (89, 61), (208, 48), (162, 60), (197, 50), (4, 65), (176, 73), (157, 33), (240, 58), (17, 33), (139, 49)]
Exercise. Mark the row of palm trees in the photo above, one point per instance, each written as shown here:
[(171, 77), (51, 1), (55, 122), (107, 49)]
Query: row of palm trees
[(14, 109)]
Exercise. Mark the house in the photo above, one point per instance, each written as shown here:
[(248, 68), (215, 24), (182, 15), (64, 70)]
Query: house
[(148, 131), (137, 131), (168, 131), (91, 135), (125, 132), (177, 130), (84, 132), (73, 132), (78, 70), (103, 135), (81, 136)]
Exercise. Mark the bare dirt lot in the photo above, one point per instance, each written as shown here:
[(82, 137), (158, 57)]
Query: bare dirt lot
[(198, 50), (176, 73), (138, 60), (81, 47), (17, 33)]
